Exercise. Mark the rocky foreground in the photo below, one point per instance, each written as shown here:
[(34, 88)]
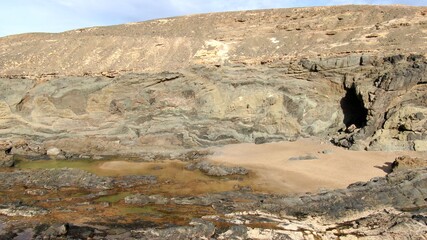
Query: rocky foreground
[(170, 88), (71, 204)]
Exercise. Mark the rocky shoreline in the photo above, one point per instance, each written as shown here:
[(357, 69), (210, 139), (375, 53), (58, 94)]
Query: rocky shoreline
[(388, 208), (55, 203), (173, 89)]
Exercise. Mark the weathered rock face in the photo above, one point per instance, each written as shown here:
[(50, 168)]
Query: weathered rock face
[(176, 84), (206, 106)]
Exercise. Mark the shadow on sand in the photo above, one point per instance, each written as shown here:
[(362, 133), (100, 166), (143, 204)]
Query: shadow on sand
[(387, 167)]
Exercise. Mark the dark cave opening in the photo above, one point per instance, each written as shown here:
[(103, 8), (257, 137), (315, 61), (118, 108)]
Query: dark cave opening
[(353, 109)]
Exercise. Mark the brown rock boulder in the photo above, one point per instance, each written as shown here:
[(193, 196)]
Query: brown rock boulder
[(406, 162), (6, 160)]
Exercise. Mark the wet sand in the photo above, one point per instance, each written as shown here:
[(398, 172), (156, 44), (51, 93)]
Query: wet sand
[(337, 168)]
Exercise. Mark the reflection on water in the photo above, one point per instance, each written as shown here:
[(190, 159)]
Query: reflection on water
[(145, 210), (113, 198), (87, 165), (172, 176)]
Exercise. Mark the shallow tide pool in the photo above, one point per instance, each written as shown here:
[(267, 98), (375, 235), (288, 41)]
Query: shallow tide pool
[(173, 177)]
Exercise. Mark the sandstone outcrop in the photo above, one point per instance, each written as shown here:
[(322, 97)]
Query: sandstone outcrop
[(216, 170)]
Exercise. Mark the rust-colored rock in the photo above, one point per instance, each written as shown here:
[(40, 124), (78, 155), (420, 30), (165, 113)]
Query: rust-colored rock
[(406, 162)]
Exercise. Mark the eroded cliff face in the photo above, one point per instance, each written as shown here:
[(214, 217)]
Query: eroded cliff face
[(171, 85)]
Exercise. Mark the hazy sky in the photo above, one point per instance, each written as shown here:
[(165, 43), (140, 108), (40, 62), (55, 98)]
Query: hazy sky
[(19, 16)]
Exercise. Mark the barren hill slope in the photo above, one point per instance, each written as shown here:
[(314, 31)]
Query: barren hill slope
[(250, 37), (354, 74)]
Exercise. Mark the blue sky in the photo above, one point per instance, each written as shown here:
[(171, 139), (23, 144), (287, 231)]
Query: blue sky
[(20, 16)]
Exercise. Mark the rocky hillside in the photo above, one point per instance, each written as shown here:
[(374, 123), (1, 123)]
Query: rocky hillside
[(354, 74)]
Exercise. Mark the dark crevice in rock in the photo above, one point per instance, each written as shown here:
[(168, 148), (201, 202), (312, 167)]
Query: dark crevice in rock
[(20, 104), (353, 109), (394, 59)]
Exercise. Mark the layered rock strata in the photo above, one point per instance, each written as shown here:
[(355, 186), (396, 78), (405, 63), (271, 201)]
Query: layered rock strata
[(175, 84)]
